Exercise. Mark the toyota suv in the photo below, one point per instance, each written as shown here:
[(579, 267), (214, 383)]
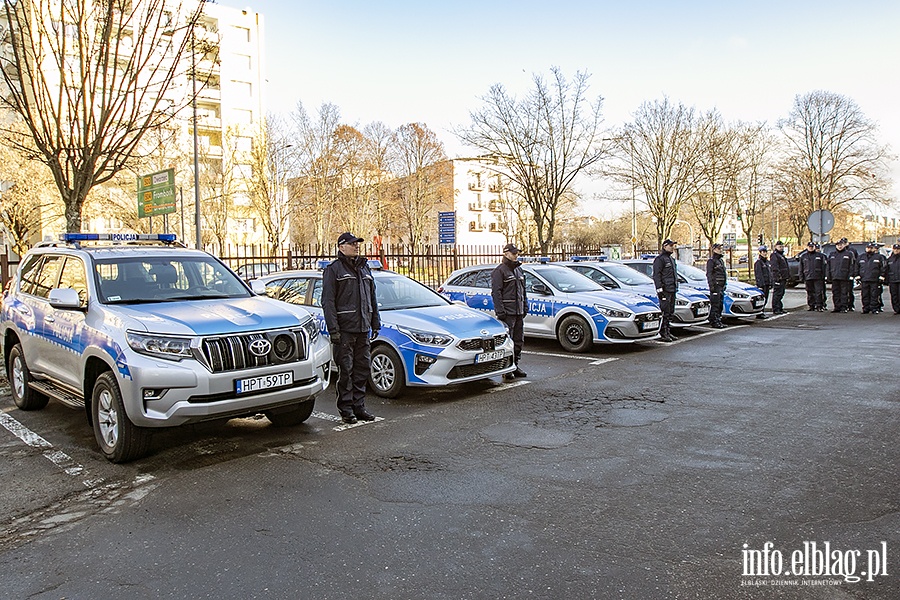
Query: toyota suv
[(142, 333)]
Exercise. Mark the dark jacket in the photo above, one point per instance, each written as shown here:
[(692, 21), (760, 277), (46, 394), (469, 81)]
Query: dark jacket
[(892, 270), (348, 296), (508, 289), (812, 266), (716, 274), (781, 271), (842, 264), (665, 275), (871, 267), (762, 270)]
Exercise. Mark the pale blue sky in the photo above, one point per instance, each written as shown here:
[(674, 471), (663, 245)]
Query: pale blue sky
[(402, 61)]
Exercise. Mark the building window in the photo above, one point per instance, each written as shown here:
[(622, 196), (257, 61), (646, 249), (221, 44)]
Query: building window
[(242, 89), (242, 34), (242, 116), (242, 61)]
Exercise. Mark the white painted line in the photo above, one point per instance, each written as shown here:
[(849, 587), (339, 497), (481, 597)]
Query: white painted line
[(576, 356), (326, 416), (357, 424), (699, 335), (506, 386), (57, 457), (601, 361)]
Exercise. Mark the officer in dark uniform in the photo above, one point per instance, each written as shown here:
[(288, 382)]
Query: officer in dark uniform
[(665, 276), (510, 301), (872, 269), (781, 272), (812, 274), (351, 315), (717, 279), (842, 270), (892, 277), (762, 271)]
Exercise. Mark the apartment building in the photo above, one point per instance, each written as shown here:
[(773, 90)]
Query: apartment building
[(482, 202)]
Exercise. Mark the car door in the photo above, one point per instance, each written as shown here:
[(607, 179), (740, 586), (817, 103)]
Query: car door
[(597, 275), (478, 292), (65, 327), (39, 355), (540, 319)]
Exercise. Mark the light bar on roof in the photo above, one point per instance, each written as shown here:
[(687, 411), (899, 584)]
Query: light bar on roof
[(116, 237)]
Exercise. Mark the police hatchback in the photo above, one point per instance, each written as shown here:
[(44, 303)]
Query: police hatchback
[(564, 305), (425, 340)]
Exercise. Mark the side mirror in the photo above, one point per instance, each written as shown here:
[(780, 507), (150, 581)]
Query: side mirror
[(540, 288), (258, 287), (65, 298)]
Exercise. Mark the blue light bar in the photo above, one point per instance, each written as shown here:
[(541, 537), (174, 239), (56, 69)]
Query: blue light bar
[(576, 258), (535, 259), (374, 263), (116, 237), (321, 264)]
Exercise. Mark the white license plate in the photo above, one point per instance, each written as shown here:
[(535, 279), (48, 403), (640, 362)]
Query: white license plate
[(757, 303), (263, 382), (647, 325), (488, 356), (703, 310)]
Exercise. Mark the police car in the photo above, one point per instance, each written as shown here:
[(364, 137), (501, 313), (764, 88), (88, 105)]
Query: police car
[(564, 305), (741, 299), (691, 306), (425, 340), (140, 333)]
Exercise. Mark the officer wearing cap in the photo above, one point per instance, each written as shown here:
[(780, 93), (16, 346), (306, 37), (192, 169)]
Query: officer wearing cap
[(841, 270), (510, 302), (717, 279), (812, 274), (762, 270), (665, 276), (351, 315), (781, 273), (872, 270), (892, 277)]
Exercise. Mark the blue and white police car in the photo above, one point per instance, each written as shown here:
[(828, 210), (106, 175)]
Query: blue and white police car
[(425, 340), (564, 305), (140, 332), (691, 306), (741, 299)]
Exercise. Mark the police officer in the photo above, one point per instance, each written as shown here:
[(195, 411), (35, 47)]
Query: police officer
[(510, 301), (717, 279), (872, 269), (842, 270), (781, 272), (351, 315), (892, 276), (762, 270), (812, 274), (666, 279)]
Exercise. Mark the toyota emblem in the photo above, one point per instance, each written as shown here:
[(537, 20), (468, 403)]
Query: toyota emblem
[(260, 348)]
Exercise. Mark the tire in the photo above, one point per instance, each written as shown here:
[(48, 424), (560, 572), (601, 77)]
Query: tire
[(119, 439), (387, 377), (19, 378), (574, 334), (294, 416)]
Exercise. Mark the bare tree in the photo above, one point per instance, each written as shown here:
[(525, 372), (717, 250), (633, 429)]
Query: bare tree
[(752, 182), (89, 78), (379, 138), (548, 139), (272, 160), (663, 150), (422, 170), (317, 171), (833, 155)]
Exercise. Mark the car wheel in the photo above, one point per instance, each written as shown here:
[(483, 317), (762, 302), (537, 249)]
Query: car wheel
[(574, 334), (19, 378), (294, 416), (387, 377), (119, 439)]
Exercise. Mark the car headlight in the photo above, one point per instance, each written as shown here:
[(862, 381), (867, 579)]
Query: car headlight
[(426, 337), (680, 302), (160, 346), (737, 294), (613, 313), (312, 329)]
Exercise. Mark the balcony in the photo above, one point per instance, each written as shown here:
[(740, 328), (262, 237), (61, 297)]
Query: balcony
[(475, 206), (476, 186), (209, 122), (493, 227), (495, 187), (495, 206), (475, 226)]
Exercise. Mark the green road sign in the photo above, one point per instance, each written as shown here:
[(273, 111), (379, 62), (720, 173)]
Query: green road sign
[(156, 193)]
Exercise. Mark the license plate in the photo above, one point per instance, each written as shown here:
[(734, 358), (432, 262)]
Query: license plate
[(488, 356), (646, 325), (703, 310), (263, 382), (757, 303)]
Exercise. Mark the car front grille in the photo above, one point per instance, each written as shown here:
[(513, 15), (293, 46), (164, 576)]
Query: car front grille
[(696, 306), (232, 352), (461, 371), (482, 344), (653, 315)]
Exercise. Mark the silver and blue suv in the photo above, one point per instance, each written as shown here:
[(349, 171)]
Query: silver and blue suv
[(142, 333)]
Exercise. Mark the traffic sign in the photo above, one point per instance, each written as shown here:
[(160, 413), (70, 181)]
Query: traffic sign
[(821, 221), (156, 193), (447, 227)]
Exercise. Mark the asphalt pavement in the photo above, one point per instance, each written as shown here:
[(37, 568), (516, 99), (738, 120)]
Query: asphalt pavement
[(653, 470)]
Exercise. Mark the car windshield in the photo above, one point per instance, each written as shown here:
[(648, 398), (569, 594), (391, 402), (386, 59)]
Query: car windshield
[(567, 280), (627, 275), (691, 273), (165, 279), (395, 292)]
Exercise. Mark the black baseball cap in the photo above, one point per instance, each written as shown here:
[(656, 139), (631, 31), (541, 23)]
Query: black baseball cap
[(668, 242), (511, 248), (348, 238), (717, 245)]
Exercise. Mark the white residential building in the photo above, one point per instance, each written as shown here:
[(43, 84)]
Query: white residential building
[(482, 202)]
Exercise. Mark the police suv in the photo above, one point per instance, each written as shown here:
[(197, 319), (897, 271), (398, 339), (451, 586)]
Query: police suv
[(141, 332)]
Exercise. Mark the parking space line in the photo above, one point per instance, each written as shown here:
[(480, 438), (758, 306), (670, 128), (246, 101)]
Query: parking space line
[(57, 457), (506, 386), (699, 335), (575, 356), (342, 426)]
